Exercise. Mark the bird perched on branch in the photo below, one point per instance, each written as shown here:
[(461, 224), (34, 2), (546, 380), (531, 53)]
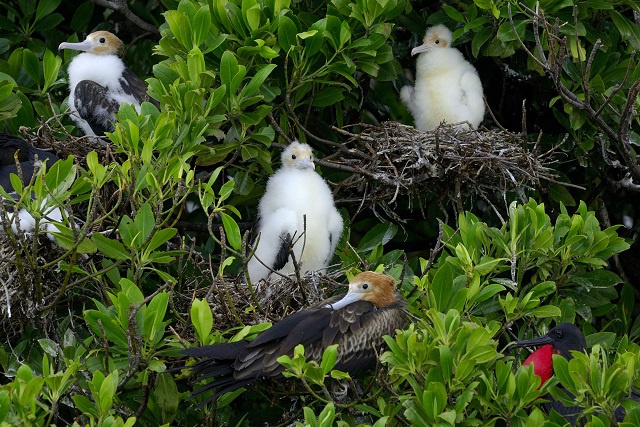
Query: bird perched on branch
[(298, 211), (356, 322), (447, 87), (560, 340), (99, 82)]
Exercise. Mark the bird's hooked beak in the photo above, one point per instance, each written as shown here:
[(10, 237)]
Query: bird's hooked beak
[(534, 342), (84, 46), (306, 164), (349, 298), (422, 48)]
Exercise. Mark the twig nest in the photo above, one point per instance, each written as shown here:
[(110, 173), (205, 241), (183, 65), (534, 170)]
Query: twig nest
[(234, 304), (393, 160)]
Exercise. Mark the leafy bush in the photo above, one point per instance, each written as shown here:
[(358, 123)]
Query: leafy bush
[(95, 321)]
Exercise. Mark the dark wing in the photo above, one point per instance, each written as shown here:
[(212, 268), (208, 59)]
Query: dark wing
[(9, 145), (260, 357), (282, 257), (136, 87), (217, 363), (95, 106)]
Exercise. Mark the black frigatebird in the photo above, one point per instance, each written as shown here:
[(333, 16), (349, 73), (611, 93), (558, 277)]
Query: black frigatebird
[(560, 340), (12, 148), (356, 322)]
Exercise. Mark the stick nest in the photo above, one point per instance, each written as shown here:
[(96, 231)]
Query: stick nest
[(392, 160)]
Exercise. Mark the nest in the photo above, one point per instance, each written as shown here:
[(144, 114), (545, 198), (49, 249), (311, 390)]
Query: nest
[(234, 303), (392, 160)]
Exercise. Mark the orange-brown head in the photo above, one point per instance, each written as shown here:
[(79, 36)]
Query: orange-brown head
[(98, 43), (377, 288)]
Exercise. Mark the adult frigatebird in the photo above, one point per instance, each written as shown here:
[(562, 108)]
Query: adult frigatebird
[(99, 82), (560, 340), (356, 322), (13, 147)]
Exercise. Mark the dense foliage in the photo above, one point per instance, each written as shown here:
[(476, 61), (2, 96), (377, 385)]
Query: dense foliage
[(236, 79)]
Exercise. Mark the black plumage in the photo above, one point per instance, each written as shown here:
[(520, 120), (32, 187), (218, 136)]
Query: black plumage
[(12, 148), (561, 340)]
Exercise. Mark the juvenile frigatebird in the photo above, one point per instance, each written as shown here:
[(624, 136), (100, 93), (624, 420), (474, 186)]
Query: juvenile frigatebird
[(356, 322), (99, 82), (297, 200)]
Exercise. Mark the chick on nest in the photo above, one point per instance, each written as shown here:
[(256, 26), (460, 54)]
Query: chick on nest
[(447, 87), (297, 200)]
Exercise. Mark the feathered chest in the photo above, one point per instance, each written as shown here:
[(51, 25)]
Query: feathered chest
[(106, 70)]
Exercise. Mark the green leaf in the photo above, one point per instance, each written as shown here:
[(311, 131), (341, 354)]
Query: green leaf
[(329, 357), (287, 31), (228, 68), (479, 39), (46, 7), (111, 248), (51, 64), (143, 224), (201, 25), (166, 397), (258, 79), (107, 391), (453, 13), (160, 237), (328, 96), (232, 231), (380, 234), (32, 66), (85, 406), (202, 319)]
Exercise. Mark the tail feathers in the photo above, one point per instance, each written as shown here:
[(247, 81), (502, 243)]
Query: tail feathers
[(217, 364), (207, 369)]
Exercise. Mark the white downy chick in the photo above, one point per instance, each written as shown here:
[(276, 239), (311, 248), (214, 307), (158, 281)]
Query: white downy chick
[(447, 87), (293, 192)]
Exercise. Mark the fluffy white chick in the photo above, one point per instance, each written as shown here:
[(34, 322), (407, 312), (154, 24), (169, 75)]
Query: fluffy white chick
[(293, 192), (447, 87)]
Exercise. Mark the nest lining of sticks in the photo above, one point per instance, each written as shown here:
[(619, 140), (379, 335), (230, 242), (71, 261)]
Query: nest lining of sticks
[(234, 303), (391, 160)]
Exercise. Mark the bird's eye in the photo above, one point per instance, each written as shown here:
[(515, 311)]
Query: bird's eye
[(437, 41), (559, 334), (365, 286), (102, 40), (293, 156)]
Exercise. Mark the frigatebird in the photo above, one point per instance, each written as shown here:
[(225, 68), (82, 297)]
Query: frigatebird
[(297, 209), (447, 87), (13, 147), (356, 322), (560, 340), (99, 82)]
